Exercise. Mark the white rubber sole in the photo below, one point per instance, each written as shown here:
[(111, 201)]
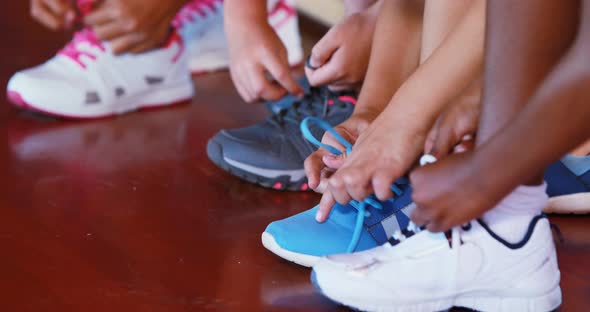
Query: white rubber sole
[(569, 204), (269, 242), (543, 303), (155, 97), (294, 175)]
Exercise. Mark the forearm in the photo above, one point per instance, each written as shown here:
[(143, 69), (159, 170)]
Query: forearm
[(355, 6), (394, 54), (240, 14), (553, 122), (451, 68)]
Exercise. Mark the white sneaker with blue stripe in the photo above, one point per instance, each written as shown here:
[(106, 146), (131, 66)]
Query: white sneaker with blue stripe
[(354, 227), (475, 269)]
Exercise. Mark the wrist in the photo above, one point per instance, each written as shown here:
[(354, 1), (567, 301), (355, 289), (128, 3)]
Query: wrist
[(241, 14), (365, 113), (497, 183), (246, 29)]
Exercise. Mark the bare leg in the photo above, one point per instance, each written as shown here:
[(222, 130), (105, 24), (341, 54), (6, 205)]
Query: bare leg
[(534, 110), (582, 150), (395, 53), (440, 17)]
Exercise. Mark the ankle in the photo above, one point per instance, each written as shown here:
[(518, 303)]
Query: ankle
[(519, 207)]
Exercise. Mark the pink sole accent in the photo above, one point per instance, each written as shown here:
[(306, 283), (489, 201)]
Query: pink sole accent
[(16, 99), (304, 187), (277, 186), (20, 103)]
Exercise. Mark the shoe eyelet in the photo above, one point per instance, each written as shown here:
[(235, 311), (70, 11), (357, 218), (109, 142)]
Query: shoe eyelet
[(466, 227)]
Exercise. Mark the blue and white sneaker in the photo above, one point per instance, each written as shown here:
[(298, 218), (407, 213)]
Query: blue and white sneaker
[(349, 228), (272, 152), (568, 185)]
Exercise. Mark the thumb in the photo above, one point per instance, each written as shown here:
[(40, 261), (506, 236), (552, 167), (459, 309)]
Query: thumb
[(323, 50), (444, 141)]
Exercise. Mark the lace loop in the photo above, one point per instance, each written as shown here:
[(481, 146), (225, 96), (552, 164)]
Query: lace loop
[(325, 126), (72, 49)]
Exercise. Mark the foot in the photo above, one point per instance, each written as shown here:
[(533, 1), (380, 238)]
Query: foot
[(568, 185), (86, 80), (201, 25), (476, 269), (271, 153)]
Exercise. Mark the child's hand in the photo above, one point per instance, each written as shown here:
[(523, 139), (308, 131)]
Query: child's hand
[(458, 121), (340, 59), (257, 56), (133, 25), (450, 192), (53, 14), (320, 164), (383, 153)]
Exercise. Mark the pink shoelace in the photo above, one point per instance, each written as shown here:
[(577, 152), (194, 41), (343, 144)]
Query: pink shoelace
[(195, 9), (85, 35), (72, 51)]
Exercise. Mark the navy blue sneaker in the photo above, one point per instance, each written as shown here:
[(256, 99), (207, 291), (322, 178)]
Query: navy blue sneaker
[(349, 228), (272, 152), (288, 100), (568, 185)]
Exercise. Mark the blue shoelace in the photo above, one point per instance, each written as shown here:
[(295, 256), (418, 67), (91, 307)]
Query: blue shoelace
[(361, 207)]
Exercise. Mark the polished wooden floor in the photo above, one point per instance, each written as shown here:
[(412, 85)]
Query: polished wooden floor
[(128, 214)]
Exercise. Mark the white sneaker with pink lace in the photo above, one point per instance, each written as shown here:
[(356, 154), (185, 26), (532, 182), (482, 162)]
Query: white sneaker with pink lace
[(85, 80), (201, 24)]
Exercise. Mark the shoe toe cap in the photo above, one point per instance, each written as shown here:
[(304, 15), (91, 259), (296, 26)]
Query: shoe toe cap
[(301, 233), (37, 91)]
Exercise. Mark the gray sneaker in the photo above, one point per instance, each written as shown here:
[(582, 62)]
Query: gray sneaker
[(271, 153)]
